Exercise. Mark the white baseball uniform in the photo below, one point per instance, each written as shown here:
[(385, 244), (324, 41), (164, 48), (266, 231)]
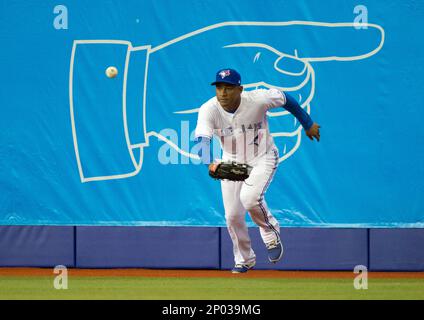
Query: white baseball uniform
[(245, 137)]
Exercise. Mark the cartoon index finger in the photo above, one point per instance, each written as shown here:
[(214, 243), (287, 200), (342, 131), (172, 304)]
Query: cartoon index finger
[(318, 41)]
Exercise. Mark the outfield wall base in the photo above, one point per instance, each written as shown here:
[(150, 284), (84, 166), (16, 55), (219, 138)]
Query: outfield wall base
[(208, 248)]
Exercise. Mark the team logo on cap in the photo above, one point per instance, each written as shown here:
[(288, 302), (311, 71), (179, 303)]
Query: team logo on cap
[(224, 73)]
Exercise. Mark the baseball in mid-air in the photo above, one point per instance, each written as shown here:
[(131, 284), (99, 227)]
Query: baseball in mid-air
[(111, 72)]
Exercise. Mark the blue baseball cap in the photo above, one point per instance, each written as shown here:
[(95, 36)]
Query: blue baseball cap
[(230, 76)]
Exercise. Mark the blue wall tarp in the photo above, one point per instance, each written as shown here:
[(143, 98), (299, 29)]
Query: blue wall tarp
[(79, 148)]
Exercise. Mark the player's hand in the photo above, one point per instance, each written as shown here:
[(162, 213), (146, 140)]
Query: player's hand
[(313, 132), (212, 167)]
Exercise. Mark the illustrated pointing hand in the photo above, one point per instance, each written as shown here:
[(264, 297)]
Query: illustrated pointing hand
[(159, 86)]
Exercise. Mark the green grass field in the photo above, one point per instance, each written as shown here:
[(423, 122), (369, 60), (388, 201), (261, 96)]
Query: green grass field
[(12, 287)]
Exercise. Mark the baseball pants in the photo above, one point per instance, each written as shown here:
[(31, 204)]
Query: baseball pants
[(248, 195)]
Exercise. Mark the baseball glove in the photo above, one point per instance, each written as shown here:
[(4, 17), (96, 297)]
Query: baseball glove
[(233, 171)]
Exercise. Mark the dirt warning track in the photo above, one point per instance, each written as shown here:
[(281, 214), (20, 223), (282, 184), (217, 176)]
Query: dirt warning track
[(179, 273)]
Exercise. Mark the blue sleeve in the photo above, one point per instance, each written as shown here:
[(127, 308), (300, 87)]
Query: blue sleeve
[(295, 109), (204, 150)]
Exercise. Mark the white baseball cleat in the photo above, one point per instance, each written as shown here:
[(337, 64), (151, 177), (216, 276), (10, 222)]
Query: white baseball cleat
[(242, 268)]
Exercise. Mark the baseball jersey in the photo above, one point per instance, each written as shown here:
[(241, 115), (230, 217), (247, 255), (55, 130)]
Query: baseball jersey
[(244, 134)]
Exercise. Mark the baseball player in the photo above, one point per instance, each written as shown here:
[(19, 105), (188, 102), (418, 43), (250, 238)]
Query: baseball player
[(238, 118)]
